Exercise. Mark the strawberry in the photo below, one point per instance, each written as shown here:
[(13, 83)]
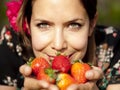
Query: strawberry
[(46, 74), (64, 80), (78, 71), (38, 63), (61, 63)]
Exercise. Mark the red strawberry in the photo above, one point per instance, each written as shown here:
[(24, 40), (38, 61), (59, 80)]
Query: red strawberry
[(78, 71), (38, 63), (47, 74), (61, 63)]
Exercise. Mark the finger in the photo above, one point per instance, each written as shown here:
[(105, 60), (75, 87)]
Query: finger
[(94, 74), (25, 70), (53, 87), (87, 86), (91, 85), (72, 87), (84, 87), (33, 84), (79, 87)]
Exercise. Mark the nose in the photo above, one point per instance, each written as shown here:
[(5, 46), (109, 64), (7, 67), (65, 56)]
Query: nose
[(59, 43)]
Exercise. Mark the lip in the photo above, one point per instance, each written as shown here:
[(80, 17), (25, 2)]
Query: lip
[(51, 57), (70, 55)]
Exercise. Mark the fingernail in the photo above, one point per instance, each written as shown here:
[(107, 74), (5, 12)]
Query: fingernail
[(89, 74), (27, 70)]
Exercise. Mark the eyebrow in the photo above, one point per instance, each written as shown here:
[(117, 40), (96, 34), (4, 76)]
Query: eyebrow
[(77, 19), (68, 21)]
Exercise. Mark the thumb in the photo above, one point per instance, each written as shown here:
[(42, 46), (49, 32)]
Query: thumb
[(94, 74), (25, 70)]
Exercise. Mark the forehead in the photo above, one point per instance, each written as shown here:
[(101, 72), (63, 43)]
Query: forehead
[(66, 7), (68, 4)]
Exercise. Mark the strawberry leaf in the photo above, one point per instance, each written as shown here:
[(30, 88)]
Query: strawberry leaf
[(30, 61), (50, 72)]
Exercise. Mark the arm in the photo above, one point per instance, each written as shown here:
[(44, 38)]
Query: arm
[(113, 87), (2, 87)]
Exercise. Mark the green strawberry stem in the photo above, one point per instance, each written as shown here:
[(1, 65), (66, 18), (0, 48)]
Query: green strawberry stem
[(58, 53), (75, 61), (30, 61), (87, 63), (50, 72), (90, 64)]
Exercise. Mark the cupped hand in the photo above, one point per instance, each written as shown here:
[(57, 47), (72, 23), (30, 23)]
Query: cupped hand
[(30, 83), (93, 76)]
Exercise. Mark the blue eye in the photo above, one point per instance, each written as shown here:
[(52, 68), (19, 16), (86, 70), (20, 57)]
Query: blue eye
[(74, 25), (42, 25)]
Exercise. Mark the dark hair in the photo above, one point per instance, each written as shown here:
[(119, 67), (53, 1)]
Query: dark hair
[(26, 12), (91, 7)]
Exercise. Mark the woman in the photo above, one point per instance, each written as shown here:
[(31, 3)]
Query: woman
[(47, 27), (61, 32)]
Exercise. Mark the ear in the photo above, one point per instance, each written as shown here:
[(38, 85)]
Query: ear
[(93, 24)]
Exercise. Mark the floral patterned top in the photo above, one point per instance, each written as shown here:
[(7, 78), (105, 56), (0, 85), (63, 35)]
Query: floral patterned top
[(107, 53), (10, 58)]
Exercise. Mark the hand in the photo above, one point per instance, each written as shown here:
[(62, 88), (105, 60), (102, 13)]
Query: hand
[(30, 83), (92, 75)]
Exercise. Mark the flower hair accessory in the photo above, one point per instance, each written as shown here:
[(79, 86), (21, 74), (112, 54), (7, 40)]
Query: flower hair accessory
[(13, 8)]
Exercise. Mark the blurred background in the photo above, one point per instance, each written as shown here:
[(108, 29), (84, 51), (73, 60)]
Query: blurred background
[(109, 13)]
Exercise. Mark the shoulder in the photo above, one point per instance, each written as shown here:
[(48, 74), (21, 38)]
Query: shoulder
[(107, 34), (108, 44), (10, 49), (9, 39)]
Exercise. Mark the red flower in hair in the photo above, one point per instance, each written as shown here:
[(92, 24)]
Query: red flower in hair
[(13, 8)]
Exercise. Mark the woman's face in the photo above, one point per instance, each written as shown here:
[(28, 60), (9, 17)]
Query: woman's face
[(59, 26)]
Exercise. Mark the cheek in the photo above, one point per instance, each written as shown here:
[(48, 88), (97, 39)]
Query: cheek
[(78, 41), (40, 40), (80, 46), (37, 42)]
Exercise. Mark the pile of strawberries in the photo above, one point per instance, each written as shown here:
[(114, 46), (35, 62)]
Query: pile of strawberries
[(60, 72)]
